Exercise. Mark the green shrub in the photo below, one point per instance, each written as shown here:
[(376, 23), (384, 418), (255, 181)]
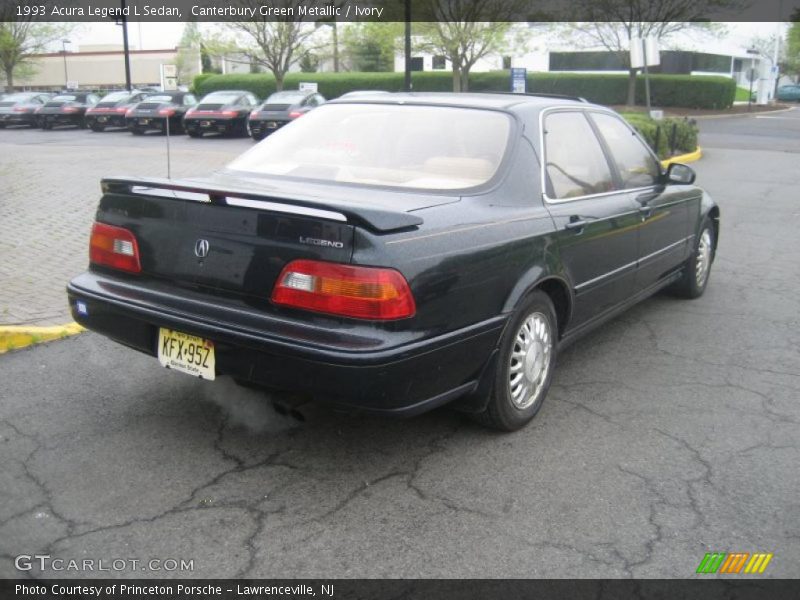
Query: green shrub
[(685, 133), (692, 91)]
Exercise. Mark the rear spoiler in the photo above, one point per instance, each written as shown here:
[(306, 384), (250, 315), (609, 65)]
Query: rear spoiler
[(377, 219)]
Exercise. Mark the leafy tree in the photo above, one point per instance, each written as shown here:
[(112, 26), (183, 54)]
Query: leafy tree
[(20, 40), (614, 23), (372, 46), (188, 49), (466, 31), (275, 45), (792, 56)]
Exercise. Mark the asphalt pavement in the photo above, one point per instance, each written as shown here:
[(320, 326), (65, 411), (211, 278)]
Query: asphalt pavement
[(668, 433)]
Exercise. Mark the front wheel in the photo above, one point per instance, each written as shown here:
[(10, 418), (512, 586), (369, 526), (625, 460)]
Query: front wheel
[(525, 365), (97, 127), (697, 269)]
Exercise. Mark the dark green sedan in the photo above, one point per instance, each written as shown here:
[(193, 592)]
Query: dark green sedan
[(789, 93)]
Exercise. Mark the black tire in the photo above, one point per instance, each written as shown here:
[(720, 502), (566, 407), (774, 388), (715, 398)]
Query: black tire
[(504, 412), (194, 134), (97, 127), (692, 284), (46, 123), (258, 136), (136, 130)]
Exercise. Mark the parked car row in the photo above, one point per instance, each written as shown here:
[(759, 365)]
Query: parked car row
[(228, 112)]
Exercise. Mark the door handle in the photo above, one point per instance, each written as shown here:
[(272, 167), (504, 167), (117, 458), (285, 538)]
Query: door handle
[(576, 224)]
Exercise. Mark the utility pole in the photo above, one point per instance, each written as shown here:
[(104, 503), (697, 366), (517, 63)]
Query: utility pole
[(126, 49), (64, 53), (407, 78)]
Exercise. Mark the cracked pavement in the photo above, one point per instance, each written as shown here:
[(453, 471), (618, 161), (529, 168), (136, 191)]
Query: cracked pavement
[(668, 433)]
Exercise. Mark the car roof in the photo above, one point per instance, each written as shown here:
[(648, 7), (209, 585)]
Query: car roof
[(505, 101)]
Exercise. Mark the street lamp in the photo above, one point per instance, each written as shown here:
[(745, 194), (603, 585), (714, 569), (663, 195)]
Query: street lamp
[(64, 54)]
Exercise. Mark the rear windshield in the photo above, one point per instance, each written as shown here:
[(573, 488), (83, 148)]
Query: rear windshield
[(159, 98), (285, 97), (116, 97), (224, 97), (19, 97), (425, 147), (65, 98)]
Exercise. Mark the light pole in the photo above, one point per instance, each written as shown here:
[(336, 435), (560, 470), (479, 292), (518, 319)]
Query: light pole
[(64, 54)]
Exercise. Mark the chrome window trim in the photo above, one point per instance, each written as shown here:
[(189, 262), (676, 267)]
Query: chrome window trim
[(543, 172)]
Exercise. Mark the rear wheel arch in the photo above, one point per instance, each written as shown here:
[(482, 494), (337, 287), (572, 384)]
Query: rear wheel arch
[(556, 288)]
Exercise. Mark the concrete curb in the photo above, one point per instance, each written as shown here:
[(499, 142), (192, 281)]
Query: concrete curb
[(683, 158), (13, 337), (744, 114)]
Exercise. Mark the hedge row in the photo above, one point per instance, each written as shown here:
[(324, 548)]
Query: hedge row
[(690, 91)]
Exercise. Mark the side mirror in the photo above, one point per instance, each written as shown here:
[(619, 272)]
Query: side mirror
[(680, 174)]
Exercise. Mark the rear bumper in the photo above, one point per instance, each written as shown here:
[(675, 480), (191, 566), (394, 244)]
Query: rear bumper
[(108, 120), (18, 119), (211, 125), (340, 367), (265, 126)]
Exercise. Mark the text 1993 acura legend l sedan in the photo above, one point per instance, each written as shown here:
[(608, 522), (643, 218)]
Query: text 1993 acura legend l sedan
[(399, 252)]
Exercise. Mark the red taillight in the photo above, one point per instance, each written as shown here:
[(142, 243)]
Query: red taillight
[(295, 113), (254, 113), (114, 247), (228, 113), (122, 109), (129, 112), (349, 291), (21, 109), (167, 112), (69, 109)]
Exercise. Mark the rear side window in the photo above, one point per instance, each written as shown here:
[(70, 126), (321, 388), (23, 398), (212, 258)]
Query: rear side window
[(636, 166), (575, 163)]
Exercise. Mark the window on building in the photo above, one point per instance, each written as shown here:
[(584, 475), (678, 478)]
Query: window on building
[(439, 62), (417, 63)]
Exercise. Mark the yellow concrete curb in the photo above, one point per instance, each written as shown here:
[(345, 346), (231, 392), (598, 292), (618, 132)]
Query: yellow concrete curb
[(684, 158), (13, 337)]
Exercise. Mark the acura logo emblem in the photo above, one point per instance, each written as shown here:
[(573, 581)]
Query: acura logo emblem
[(201, 248)]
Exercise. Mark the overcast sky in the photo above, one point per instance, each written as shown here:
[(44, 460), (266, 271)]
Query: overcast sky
[(157, 36)]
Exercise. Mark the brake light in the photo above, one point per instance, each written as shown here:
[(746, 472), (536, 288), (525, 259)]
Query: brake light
[(294, 114), (254, 113), (167, 112), (70, 109), (122, 109), (350, 291), (21, 109), (229, 113), (114, 247)]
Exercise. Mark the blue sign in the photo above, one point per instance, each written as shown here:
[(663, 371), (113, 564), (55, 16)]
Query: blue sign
[(519, 80)]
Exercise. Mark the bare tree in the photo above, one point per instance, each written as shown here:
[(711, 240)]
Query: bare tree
[(612, 24), (464, 31)]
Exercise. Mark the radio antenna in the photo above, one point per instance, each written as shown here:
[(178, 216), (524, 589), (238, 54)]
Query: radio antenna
[(169, 163)]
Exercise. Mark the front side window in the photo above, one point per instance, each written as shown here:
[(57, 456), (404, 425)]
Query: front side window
[(575, 163), (636, 166), (432, 147)]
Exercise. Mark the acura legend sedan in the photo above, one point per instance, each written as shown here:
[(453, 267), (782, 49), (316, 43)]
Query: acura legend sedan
[(400, 252)]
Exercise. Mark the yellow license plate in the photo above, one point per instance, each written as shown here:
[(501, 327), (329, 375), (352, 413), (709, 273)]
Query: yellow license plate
[(186, 353)]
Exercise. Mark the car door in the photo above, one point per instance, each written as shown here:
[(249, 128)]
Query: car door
[(664, 241), (596, 223)]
